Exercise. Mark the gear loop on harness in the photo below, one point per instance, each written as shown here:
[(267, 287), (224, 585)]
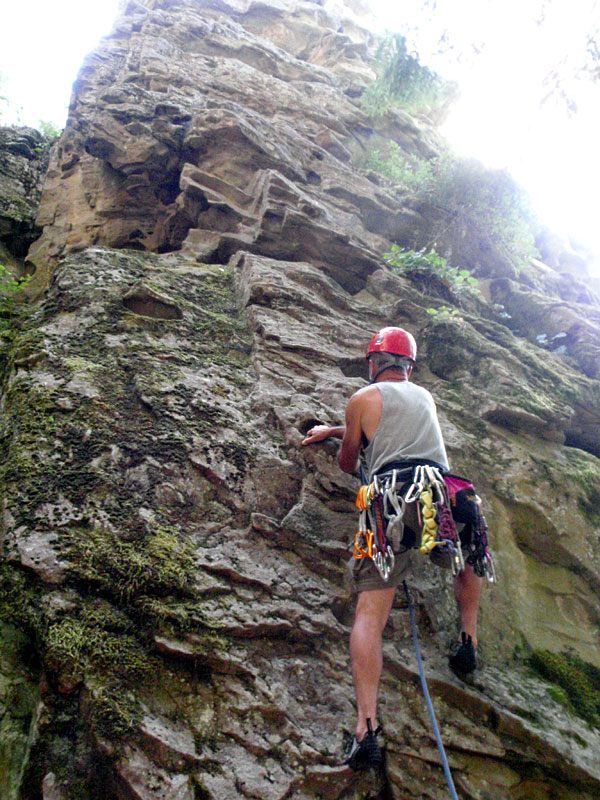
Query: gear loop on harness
[(382, 504)]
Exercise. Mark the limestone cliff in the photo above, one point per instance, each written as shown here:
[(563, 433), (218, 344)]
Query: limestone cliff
[(175, 619)]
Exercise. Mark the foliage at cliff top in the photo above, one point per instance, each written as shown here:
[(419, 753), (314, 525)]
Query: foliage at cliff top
[(477, 197), (403, 81), (49, 130)]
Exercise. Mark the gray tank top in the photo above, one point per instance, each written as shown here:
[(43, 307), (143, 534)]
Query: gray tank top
[(408, 428)]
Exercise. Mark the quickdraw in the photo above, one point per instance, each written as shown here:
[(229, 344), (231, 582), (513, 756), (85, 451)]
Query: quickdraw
[(382, 505), (369, 544)]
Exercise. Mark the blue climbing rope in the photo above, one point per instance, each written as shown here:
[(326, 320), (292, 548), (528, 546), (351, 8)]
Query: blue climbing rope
[(436, 731)]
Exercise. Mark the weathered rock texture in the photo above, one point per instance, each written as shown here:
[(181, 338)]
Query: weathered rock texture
[(24, 155), (213, 264)]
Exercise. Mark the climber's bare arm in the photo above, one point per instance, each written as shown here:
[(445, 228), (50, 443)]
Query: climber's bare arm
[(321, 432), (362, 418), (351, 443)]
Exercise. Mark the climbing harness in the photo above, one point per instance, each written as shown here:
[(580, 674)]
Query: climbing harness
[(434, 724), (441, 501)]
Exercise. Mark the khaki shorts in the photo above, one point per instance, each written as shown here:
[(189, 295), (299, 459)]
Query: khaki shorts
[(363, 574)]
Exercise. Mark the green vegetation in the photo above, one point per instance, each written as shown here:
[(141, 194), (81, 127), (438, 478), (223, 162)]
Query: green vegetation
[(49, 130), (397, 165), (34, 431), (583, 470), (92, 639), (128, 591), (114, 713), (438, 275), (445, 314), (432, 274), (589, 504), (476, 198), (150, 579), (403, 82), (103, 641), (18, 599), (577, 682), (488, 199), (126, 571), (9, 288)]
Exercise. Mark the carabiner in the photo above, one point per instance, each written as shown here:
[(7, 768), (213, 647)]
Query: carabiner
[(365, 551), (384, 564)]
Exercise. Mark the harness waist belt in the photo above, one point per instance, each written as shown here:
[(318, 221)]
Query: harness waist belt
[(409, 464)]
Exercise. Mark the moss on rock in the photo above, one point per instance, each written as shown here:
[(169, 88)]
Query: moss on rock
[(157, 564), (102, 408), (583, 470), (578, 682)]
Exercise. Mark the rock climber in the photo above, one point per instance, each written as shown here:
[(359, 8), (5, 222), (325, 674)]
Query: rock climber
[(392, 421)]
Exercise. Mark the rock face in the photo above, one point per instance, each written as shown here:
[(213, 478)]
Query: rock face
[(145, 163), (212, 262), (24, 155)]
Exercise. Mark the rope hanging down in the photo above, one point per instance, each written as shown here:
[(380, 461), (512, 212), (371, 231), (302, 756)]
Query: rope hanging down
[(434, 724)]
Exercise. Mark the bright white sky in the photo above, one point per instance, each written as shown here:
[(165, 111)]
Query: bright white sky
[(498, 119), (42, 45)]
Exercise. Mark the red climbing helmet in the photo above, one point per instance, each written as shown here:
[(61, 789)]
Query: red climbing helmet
[(393, 340)]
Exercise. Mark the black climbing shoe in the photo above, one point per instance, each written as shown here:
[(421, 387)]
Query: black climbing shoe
[(464, 660), (366, 754)]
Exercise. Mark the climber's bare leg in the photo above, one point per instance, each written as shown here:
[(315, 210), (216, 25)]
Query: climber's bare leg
[(366, 652), (467, 590)]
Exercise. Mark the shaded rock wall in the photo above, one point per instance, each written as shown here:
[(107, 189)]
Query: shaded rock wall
[(19, 694), (211, 259), (24, 155)]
